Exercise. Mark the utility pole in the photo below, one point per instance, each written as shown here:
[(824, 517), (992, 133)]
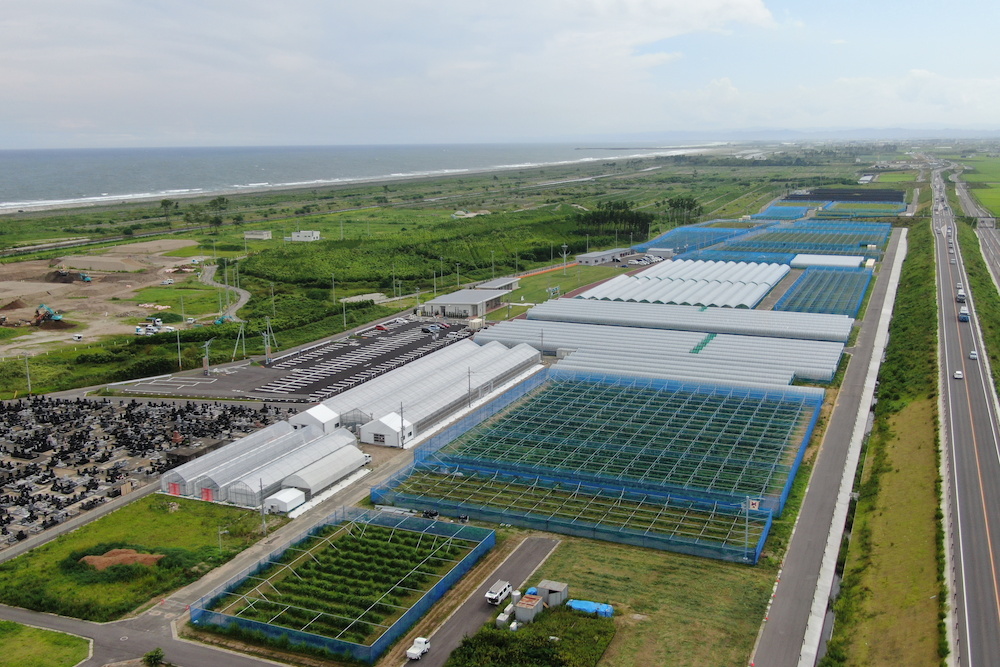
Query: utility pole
[(27, 372), (458, 276), (493, 263), (564, 246), (333, 282), (344, 304), (179, 364)]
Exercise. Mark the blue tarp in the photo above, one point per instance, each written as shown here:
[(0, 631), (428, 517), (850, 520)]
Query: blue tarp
[(598, 608)]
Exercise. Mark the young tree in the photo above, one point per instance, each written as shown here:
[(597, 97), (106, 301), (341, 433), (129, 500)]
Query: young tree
[(154, 658), (166, 205)]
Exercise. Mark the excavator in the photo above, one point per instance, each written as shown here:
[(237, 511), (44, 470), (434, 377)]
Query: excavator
[(43, 314)]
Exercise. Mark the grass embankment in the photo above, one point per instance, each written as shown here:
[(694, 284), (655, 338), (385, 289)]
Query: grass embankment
[(25, 646), (49, 578), (891, 605), (984, 292)]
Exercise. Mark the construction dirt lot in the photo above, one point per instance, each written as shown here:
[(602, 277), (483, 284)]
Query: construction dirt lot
[(96, 308)]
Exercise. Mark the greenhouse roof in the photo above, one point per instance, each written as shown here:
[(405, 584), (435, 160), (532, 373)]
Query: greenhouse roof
[(253, 442), (811, 326), (430, 383), (327, 470), (803, 260), (694, 282), (467, 296), (684, 355), (273, 472)]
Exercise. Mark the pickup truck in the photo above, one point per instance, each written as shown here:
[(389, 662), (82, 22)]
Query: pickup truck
[(420, 646)]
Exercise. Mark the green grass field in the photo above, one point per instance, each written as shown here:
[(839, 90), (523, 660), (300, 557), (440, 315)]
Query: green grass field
[(534, 288), (43, 580), (199, 299), (24, 646), (896, 177), (669, 609)]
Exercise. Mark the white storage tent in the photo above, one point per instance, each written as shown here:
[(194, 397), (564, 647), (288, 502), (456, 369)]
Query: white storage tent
[(327, 471), (284, 501), (181, 480), (771, 323), (391, 430), (318, 415)]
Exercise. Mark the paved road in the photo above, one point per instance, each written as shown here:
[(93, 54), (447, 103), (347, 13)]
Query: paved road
[(970, 426), (475, 611), (208, 277), (782, 639)]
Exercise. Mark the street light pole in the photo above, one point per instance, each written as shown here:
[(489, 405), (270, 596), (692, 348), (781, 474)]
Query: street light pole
[(27, 372), (493, 263), (564, 246), (458, 275)]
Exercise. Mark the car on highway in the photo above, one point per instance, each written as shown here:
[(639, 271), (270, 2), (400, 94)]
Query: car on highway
[(959, 286), (973, 355), (952, 260), (958, 375)]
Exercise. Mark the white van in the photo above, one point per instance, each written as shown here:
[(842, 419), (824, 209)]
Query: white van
[(498, 592)]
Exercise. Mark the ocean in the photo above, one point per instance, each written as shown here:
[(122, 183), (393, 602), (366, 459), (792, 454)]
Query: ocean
[(51, 178)]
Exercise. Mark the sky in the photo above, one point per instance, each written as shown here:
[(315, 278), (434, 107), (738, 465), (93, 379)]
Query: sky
[(121, 73)]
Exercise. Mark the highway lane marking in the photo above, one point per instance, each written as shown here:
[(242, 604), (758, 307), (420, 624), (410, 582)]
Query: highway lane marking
[(976, 449)]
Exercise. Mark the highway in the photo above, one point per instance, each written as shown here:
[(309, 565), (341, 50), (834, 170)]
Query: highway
[(969, 425)]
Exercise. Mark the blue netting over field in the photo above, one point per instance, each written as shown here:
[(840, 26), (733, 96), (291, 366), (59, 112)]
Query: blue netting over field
[(690, 238), (353, 585), (817, 237), (837, 291), (782, 213), (711, 255), (641, 440), (854, 209), (712, 530)]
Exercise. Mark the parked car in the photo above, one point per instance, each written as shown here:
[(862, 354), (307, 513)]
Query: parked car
[(381, 327)]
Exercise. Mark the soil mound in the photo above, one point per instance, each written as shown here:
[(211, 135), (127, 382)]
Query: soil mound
[(121, 557), (56, 324), (16, 304)]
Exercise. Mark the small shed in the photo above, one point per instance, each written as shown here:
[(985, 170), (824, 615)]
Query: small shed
[(665, 253), (554, 593), (391, 430), (257, 235), (527, 608), (303, 236), (319, 415), (284, 501)]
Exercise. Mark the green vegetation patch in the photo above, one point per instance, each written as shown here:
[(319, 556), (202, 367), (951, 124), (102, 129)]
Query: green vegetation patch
[(186, 532), (349, 582), (24, 646), (560, 637), (670, 609), (892, 600)]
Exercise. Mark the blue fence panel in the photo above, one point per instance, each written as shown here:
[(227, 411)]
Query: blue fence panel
[(203, 614)]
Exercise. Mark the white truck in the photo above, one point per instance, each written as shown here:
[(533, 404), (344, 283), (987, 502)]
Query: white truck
[(420, 646), (498, 592)]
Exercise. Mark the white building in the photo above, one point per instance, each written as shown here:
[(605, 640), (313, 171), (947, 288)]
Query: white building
[(284, 501), (464, 303), (318, 415), (603, 256), (390, 430), (257, 235), (303, 236)]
